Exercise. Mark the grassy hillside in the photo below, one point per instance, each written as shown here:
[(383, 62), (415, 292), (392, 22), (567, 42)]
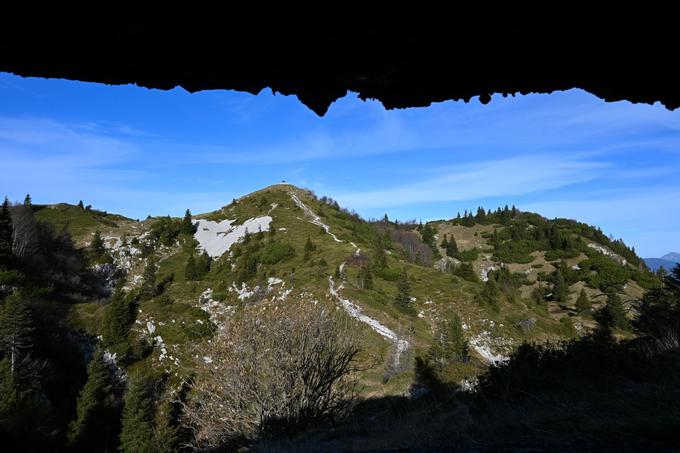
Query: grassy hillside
[(439, 302), (514, 249)]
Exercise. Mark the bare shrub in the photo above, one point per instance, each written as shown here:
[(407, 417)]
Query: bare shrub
[(276, 368), (415, 249), (25, 236)]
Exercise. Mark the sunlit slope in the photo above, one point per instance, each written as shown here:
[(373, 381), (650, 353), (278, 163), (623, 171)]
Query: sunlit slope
[(286, 244)]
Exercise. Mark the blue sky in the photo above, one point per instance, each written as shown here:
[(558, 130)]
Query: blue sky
[(136, 151)]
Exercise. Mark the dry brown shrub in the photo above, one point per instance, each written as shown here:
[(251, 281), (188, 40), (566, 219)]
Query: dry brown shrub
[(274, 369)]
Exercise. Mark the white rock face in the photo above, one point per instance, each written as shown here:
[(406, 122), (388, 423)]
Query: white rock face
[(484, 273), (603, 250), (482, 345), (216, 238), (355, 312), (315, 219)]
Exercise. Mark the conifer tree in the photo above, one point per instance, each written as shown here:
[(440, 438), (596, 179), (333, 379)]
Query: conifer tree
[(136, 435), (190, 268), (555, 238), (616, 311), (167, 434), (451, 247), (309, 248), (27, 201), (466, 271), (6, 233), (379, 258), (203, 264), (118, 318), (449, 343), (86, 431), (365, 278), (428, 235), (491, 292), (187, 226), (81, 205), (9, 394), (560, 288), (149, 288), (457, 345), (583, 303), (368, 279), (538, 294), (16, 331), (403, 299), (97, 244), (672, 282)]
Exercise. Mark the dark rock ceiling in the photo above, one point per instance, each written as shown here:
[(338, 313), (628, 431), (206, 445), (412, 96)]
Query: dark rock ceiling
[(404, 56)]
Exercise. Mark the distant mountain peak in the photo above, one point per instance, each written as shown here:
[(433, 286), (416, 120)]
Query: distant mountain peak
[(672, 256)]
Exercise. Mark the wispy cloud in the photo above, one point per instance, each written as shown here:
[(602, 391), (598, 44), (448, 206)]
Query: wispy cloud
[(161, 152), (504, 177)]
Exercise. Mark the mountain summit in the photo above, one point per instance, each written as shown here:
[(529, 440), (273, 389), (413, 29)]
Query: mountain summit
[(668, 261)]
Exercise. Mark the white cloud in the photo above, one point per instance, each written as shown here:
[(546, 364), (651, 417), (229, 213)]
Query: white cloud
[(503, 177)]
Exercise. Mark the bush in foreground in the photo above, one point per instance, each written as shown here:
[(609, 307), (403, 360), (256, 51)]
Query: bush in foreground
[(276, 368)]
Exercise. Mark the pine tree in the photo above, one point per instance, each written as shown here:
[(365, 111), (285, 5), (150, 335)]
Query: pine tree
[(428, 235), (491, 292), (436, 353), (672, 281), (6, 233), (27, 201), (137, 431), (16, 331), (451, 247), (481, 214), (379, 258), (538, 294), (97, 244), (403, 299), (616, 311), (166, 436), (555, 238), (149, 288), (86, 431), (560, 288), (449, 343), (187, 226), (118, 318), (197, 268), (365, 278), (368, 279), (309, 248), (81, 205), (583, 303), (457, 346), (190, 268), (465, 271), (9, 395)]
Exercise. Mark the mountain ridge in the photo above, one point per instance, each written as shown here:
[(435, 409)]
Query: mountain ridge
[(462, 296)]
